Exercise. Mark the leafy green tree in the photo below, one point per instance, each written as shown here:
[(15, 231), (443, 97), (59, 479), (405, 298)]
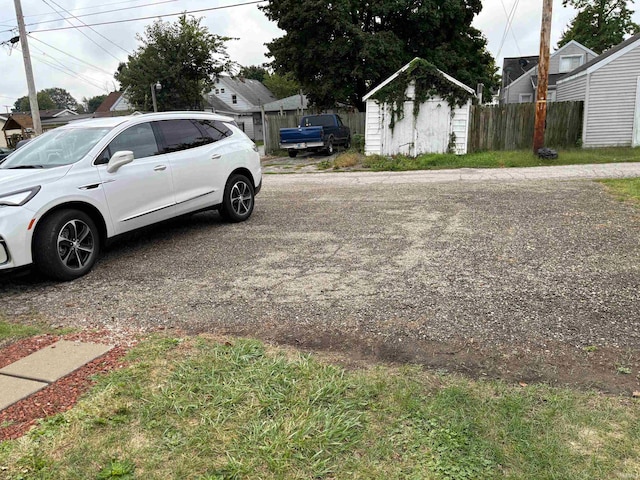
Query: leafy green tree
[(44, 103), (61, 98), (282, 86), (94, 102), (599, 24), (253, 72), (340, 51), (183, 57)]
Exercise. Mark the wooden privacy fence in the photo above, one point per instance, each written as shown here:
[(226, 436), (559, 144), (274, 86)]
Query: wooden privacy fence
[(273, 124), (510, 127)]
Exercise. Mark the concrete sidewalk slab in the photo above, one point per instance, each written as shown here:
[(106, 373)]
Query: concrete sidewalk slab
[(14, 389), (55, 361)]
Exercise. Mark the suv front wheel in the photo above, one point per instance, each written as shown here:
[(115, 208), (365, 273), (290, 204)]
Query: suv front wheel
[(66, 245), (238, 200)]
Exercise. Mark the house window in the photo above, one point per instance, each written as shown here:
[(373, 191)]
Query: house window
[(217, 91), (222, 90), (234, 99), (526, 97), (551, 95), (570, 62)]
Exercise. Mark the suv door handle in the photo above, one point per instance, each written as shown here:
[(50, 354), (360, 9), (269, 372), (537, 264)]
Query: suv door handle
[(159, 168), (216, 156)]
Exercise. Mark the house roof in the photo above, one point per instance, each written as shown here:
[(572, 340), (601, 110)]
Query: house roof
[(253, 91), (603, 59), (293, 102), (534, 70), (514, 67), (109, 102), (397, 74), (23, 121)]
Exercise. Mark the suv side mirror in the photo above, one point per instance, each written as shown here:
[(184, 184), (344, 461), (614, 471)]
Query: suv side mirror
[(119, 159)]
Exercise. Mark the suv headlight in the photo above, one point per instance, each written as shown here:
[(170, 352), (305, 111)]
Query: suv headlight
[(19, 198)]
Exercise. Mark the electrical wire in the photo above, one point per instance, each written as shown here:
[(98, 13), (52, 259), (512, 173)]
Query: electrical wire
[(513, 35), (152, 17), (510, 19), (64, 65), (79, 9), (97, 13), (66, 72), (69, 55), (76, 26)]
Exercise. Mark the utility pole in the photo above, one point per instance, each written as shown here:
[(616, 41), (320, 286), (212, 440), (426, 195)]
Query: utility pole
[(33, 97), (543, 76)]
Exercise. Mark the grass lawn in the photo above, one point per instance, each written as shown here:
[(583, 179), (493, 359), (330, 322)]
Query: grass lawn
[(625, 189), (484, 159), (10, 332), (202, 408)]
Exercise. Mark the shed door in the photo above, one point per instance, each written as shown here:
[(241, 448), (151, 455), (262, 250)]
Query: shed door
[(401, 138), (433, 127)]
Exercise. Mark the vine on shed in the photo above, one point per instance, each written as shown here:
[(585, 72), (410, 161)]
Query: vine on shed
[(429, 83)]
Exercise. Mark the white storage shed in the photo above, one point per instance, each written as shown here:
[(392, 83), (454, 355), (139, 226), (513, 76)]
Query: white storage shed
[(435, 126)]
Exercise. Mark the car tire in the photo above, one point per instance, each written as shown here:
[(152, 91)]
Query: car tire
[(347, 144), (66, 245), (329, 149), (293, 153), (239, 198)]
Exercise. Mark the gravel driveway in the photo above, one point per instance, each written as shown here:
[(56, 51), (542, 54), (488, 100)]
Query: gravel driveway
[(509, 279)]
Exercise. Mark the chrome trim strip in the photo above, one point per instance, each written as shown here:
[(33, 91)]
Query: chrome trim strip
[(197, 196), (147, 213)]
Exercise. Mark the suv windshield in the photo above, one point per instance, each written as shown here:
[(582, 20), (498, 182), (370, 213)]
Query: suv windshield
[(55, 148)]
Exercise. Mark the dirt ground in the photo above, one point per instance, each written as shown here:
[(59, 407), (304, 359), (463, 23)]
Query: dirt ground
[(527, 281)]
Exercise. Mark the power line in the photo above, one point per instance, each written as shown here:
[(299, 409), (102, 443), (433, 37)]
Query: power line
[(66, 72), (87, 36), (65, 66), (77, 9), (97, 13), (513, 35), (69, 55), (152, 17), (510, 18)]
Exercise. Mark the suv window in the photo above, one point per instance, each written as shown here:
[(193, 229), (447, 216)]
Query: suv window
[(139, 139), (214, 129), (181, 135)]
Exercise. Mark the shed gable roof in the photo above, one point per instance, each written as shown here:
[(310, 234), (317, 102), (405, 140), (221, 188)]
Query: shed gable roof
[(403, 69)]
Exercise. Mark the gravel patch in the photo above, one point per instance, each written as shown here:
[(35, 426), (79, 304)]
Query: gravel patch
[(520, 269)]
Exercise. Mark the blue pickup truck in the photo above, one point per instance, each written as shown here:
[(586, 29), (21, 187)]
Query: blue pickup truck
[(315, 133)]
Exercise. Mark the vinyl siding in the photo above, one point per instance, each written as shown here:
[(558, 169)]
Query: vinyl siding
[(522, 85), (554, 61), (612, 102), (573, 90)]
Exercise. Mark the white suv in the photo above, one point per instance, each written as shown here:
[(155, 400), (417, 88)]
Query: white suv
[(65, 193)]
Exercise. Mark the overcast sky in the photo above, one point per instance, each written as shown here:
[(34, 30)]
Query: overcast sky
[(104, 46)]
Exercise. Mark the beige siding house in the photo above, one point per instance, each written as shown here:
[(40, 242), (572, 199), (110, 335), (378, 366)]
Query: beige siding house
[(562, 61), (610, 88), (438, 128)]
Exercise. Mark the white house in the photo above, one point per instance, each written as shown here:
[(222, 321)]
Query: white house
[(437, 128), (243, 100), (609, 85)]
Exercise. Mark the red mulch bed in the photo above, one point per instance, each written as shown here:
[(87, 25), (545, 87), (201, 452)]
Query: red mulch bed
[(61, 395)]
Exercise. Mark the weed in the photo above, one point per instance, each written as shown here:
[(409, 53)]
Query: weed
[(346, 160), (590, 348), (122, 470), (623, 369)]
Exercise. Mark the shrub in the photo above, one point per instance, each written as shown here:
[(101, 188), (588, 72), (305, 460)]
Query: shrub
[(357, 143)]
